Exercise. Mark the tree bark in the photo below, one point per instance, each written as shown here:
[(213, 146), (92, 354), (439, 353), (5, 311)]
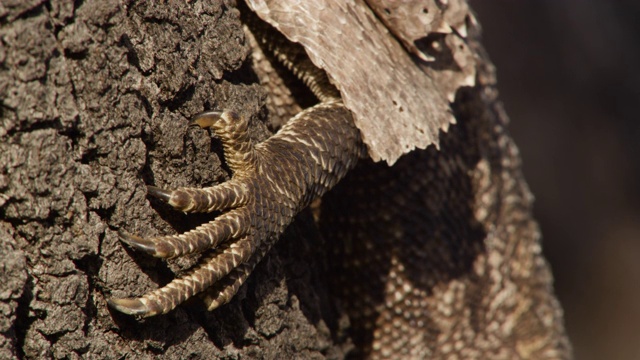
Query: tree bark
[(95, 98)]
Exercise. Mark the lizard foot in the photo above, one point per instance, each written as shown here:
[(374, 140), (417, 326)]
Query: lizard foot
[(235, 235), (272, 181)]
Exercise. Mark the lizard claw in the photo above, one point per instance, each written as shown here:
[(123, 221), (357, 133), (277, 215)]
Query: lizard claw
[(137, 242), (159, 193), (131, 307), (181, 199), (206, 119)]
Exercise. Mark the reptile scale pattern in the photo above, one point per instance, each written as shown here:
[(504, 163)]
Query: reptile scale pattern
[(435, 257), (272, 182)]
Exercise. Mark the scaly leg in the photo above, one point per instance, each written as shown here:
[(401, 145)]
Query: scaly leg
[(272, 182)]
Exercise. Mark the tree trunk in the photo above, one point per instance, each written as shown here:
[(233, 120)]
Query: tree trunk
[(95, 99)]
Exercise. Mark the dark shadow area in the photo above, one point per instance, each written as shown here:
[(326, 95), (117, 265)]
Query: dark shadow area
[(23, 318), (305, 256), (417, 213), (158, 328)]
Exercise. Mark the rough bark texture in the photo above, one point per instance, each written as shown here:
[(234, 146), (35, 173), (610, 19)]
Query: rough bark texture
[(96, 98), (95, 101)]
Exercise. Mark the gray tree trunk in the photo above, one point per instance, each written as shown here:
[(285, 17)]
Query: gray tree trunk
[(95, 98)]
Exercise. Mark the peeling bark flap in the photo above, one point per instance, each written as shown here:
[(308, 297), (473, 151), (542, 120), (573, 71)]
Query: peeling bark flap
[(397, 106)]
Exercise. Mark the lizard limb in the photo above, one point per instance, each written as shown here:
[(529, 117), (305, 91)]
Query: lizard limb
[(272, 182)]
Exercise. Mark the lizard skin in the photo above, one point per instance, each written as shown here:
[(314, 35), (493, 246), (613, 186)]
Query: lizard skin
[(439, 256)]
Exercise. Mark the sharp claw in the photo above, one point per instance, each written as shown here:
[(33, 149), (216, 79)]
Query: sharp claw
[(162, 194), (206, 119), (130, 306), (138, 243)]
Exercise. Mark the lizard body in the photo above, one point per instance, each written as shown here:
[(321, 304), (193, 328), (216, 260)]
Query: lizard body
[(437, 256)]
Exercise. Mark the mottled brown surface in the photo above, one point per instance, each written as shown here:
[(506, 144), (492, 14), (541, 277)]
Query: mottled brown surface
[(414, 22), (438, 255), (126, 77), (568, 77), (460, 274), (347, 41)]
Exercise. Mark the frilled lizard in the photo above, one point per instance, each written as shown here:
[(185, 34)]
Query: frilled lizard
[(436, 256)]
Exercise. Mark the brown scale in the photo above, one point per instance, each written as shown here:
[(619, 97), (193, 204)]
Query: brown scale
[(435, 257)]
